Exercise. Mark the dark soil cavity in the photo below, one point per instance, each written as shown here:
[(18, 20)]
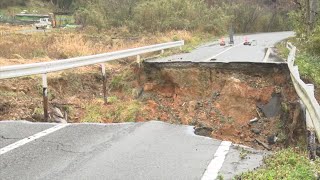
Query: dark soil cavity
[(4, 107), (203, 131), (221, 99)]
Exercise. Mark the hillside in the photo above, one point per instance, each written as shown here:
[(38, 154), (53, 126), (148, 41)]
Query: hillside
[(12, 7), (215, 16)]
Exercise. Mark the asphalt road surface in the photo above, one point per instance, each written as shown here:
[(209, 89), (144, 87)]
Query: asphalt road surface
[(235, 53), (150, 150)]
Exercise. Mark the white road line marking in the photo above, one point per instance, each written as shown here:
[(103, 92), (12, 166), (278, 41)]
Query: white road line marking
[(224, 51), (217, 162), (266, 57), (31, 138)]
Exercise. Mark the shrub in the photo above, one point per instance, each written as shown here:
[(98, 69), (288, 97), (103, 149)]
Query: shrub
[(313, 43), (163, 15)]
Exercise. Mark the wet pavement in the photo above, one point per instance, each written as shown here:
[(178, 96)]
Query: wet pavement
[(213, 52), (150, 150)]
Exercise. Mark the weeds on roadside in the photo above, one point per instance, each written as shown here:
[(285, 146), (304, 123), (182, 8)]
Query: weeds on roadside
[(309, 65), (243, 153), (285, 164), (93, 113), (124, 111)]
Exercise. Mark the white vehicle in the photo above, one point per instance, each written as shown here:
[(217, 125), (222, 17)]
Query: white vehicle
[(43, 23)]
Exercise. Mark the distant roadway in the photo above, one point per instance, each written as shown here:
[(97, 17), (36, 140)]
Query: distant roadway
[(236, 53)]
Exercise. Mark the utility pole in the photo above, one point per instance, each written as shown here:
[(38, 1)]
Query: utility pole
[(231, 33), (312, 12)]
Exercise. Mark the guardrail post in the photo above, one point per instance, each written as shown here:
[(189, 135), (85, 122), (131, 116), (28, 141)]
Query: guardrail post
[(104, 86), (306, 94), (312, 147), (139, 60), (162, 51), (45, 96)]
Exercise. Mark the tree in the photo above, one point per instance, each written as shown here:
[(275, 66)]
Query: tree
[(8, 3), (64, 5), (312, 12)]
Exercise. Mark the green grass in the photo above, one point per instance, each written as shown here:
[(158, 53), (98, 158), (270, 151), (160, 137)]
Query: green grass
[(195, 42), (93, 113), (112, 99), (309, 65), (190, 45), (286, 164), (38, 111), (122, 81), (124, 111), (283, 50), (220, 177), (243, 153), (130, 111)]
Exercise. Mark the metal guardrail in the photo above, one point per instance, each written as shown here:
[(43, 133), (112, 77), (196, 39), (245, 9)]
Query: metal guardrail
[(53, 66), (306, 94)]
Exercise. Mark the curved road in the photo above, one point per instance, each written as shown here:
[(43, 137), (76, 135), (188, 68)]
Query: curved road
[(236, 53), (150, 150)]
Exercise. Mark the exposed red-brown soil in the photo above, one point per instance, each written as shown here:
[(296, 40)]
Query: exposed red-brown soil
[(221, 99)]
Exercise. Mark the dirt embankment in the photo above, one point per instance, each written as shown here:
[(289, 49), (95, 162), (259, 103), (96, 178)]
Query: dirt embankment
[(220, 100)]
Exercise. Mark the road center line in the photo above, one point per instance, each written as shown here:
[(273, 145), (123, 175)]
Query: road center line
[(224, 51), (215, 165), (31, 138)]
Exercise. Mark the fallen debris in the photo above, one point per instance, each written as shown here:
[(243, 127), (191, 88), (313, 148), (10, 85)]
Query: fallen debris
[(263, 144), (273, 108), (254, 120), (57, 116), (203, 131), (256, 131), (258, 112), (272, 139)]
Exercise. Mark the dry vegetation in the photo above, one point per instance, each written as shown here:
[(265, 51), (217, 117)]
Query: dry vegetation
[(20, 48), (21, 98), (11, 28)]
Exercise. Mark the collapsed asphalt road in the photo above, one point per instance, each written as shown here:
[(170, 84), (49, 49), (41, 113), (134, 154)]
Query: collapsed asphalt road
[(150, 150)]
